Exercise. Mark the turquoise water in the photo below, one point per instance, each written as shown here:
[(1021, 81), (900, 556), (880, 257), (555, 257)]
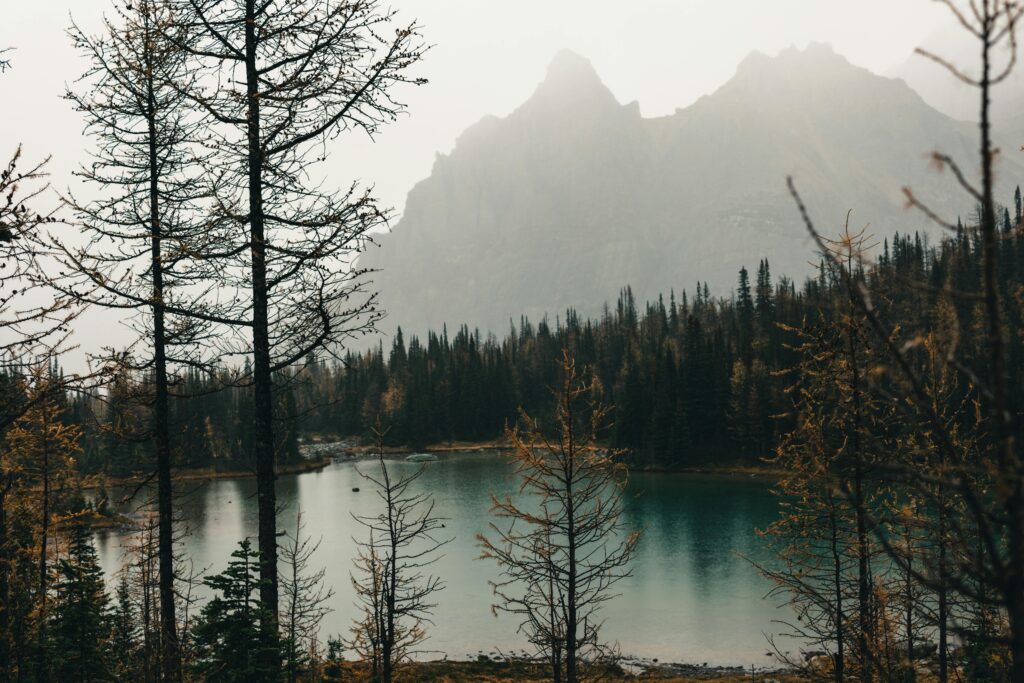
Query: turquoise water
[(692, 597)]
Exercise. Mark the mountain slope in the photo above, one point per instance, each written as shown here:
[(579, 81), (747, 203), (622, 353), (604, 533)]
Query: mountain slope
[(573, 196), (944, 91)]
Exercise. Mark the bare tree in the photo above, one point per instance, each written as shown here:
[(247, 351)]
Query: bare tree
[(565, 545), (305, 601), (393, 589), (281, 80), (144, 245)]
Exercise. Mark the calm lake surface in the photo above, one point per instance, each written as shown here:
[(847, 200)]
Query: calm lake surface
[(692, 597)]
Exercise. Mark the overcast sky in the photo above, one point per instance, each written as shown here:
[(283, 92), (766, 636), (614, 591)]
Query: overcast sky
[(487, 58)]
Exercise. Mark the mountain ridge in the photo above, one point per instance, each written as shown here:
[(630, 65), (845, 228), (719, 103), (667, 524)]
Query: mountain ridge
[(574, 195)]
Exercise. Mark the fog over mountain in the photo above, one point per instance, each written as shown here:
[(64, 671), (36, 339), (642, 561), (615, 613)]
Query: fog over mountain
[(952, 96), (574, 195)]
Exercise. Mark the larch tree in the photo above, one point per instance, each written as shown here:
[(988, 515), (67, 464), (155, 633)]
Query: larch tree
[(280, 81), (561, 545), (987, 556), (144, 246), (34, 328), (42, 450), (33, 324), (393, 586), (305, 602)]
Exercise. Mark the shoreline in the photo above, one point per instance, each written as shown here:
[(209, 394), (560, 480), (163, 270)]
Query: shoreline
[(502, 670), (206, 473), (354, 452), (321, 454)]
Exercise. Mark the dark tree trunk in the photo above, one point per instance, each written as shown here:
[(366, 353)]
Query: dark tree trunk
[(170, 664), (263, 426), (839, 666), (1008, 462), (864, 624), (388, 649), (909, 615), (571, 675), (943, 606), (41, 659), (5, 602)]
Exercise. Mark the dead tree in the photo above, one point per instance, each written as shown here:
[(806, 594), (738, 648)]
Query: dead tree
[(145, 246), (393, 589), (279, 82), (565, 545), (305, 601), (140, 572)]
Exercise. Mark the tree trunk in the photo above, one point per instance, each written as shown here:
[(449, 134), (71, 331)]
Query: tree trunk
[(943, 606), (1017, 636), (571, 675), (863, 568), (170, 662), (263, 422), (1008, 462), (556, 646), (839, 664), (392, 584), (909, 615), (5, 602), (41, 659)]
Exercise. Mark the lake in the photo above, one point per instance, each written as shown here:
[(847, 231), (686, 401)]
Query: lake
[(692, 597)]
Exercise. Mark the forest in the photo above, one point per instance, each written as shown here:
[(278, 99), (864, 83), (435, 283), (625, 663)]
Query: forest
[(695, 381), (882, 395)]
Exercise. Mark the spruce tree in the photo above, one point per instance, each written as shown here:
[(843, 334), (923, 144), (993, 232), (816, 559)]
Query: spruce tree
[(80, 626), (227, 637)]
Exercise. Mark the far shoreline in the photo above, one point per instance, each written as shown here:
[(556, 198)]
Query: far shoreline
[(322, 454), (359, 452)]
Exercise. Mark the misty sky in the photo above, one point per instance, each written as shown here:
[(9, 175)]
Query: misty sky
[(487, 58)]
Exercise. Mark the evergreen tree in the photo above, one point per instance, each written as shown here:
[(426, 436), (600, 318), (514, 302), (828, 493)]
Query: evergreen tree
[(126, 636), (227, 637), (80, 628)]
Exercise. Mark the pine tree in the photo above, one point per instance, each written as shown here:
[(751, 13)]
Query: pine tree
[(227, 637), (745, 319), (124, 642), (80, 626)]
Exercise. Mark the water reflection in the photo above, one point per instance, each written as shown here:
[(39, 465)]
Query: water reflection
[(691, 598)]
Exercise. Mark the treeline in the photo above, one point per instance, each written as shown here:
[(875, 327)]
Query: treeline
[(694, 380), (207, 415)]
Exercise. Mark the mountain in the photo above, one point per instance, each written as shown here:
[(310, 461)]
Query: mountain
[(574, 196), (950, 95)]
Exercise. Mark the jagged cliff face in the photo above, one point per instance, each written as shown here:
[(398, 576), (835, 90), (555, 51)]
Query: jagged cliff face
[(573, 196)]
